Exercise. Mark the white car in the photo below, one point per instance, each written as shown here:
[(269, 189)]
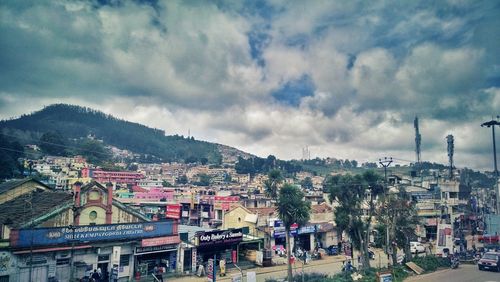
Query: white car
[(417, 247)]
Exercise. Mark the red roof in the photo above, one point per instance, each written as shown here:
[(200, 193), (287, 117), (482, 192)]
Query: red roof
[(138, 189)]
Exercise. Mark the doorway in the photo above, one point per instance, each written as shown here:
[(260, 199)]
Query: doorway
[(104, 269)]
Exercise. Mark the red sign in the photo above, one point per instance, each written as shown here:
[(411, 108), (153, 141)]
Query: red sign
[(225, 206), (227, 198), (173, 211), (158, 241)]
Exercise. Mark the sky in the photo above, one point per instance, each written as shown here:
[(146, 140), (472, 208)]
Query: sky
[(345, 78)]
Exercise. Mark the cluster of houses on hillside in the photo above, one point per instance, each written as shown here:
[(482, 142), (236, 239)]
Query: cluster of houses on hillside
[(81, 218)]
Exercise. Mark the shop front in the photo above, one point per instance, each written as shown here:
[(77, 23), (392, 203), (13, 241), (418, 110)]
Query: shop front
[(109, 247), (221, 244), (305, 237), (278, 243), (161, 252)]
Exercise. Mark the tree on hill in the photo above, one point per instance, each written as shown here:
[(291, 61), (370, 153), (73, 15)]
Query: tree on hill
[(74, 122), (10, 152), (53, 143), (94, 152), (307, 183), (291, 209)]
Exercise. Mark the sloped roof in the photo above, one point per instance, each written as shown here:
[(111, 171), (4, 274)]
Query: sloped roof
[(6, 186), (21, 211), (321, 208), (263, 211)]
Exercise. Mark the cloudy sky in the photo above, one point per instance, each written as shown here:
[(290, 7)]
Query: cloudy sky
[(345, 78)]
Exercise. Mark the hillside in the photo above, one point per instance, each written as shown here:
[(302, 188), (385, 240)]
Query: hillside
[(75, 122)]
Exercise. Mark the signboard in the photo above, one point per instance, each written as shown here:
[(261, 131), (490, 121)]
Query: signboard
[(165, 240), (219, 237), (210, 270), (115, 256), (251, 276), (279, 229), (444, 239), (91, 233), (227, 198), (173, 211), (306, 229), (193, 259), (155, 249), (385, 277)]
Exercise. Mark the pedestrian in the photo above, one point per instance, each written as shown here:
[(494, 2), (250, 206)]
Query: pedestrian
[(95, 276), (158, 273)]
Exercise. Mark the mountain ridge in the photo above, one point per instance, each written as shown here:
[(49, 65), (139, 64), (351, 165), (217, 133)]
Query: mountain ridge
[(73, 121)]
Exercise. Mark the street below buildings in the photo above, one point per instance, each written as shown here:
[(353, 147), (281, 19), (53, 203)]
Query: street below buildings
[(329, 265), (465, 273)]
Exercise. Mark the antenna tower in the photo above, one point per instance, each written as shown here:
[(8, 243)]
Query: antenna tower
[(451, 150), (418, 139)]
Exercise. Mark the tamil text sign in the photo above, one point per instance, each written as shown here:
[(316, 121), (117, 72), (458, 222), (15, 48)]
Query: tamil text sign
[(92, 233)]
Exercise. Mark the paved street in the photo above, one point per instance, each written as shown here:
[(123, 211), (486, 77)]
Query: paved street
[(330, 265), (465, 273)]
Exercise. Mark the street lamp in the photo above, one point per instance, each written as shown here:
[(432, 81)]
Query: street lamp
[(492, 124), (386, 162)]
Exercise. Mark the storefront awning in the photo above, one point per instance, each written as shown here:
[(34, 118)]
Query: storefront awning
[(54, 249)]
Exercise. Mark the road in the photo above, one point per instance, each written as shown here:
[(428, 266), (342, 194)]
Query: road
[(329, 265), (465, 273)]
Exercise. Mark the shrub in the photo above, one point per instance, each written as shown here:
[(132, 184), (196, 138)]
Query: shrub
[(431, 263)]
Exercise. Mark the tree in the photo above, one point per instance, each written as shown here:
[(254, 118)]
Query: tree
[(182, 179), (10, 153), (351, 192), (271, 185), (94, 151), (165, 183), (204, 179), (399, 214), (291, 208), (307, 183), (52, 143)]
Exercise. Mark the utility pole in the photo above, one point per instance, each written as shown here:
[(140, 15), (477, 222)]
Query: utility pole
[(386, 162), (492, 124)]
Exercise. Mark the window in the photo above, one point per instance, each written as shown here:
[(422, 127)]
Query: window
[(124, 260), (93, 215)]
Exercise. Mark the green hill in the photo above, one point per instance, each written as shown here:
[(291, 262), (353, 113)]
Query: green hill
[(76, 123)]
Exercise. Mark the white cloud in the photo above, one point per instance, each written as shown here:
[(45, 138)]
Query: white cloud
[(185, 66)]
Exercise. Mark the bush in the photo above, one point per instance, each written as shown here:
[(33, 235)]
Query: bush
[(431, 263)]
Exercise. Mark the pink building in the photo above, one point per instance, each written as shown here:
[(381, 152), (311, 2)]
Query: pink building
[(120, 177), (156, 194)]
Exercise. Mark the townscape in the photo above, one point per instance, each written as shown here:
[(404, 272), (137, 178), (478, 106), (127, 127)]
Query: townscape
[(65, 218), (249, 141)]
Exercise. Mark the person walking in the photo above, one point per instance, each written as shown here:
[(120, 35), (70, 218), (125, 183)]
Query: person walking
[(158, 272), (95, 276)]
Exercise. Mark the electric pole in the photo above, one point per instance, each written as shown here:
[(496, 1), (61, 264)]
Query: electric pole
[(492, 124)]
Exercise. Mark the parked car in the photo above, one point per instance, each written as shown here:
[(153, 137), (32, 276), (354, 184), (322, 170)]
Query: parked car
[(490, 260), (417, 247)]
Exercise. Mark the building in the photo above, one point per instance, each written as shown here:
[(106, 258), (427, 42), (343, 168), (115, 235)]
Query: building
[(116, 177), (55, 234)]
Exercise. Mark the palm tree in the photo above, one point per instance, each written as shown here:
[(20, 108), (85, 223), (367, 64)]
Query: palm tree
[(291, 209), (274, 179)]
